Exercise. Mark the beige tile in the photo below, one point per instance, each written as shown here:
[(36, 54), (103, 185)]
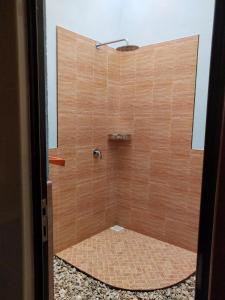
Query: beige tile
[(100, 63), (158, 198), (183, 97), (84, 165), (114, 67), (139, 196), (186, 55), (141, 166), (64, 232), (85, 96), (181, 131), (164, 62), (143, 98), (113, 99), (160, 167), (145, 222), (141, 139), (188, 235), (67, 123), (127, 68), (90, 224), (145, 64), (123, 216), (127, 98), (148, 183), (85, 58)]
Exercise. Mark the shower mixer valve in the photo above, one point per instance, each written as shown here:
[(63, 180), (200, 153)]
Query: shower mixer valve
[(97, 153)]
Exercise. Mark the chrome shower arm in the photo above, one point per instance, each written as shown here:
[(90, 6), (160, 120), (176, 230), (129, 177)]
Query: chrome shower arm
[(112, 42)]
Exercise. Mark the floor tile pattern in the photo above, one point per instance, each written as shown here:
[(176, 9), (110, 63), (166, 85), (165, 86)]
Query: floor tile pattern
[(130, 260)]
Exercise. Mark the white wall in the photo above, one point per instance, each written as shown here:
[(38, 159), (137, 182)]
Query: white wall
[(143, 22), (97, 19), (155, 21)]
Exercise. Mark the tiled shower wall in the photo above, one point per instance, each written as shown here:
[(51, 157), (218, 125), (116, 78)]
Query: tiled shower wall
[(82, 190), (152, 184), (159, 176)]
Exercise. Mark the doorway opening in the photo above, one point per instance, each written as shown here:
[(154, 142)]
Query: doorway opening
[(127, 155)]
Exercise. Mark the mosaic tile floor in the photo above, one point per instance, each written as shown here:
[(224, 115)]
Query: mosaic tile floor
[(129, 260)]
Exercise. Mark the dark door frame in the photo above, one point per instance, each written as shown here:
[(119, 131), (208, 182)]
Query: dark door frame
[(217, 287), (211, 258), (217, 282), (38, 125), (213, 195)]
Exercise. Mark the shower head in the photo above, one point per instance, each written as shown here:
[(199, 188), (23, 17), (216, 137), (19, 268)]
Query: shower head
[(98, 45), (127, 48), (123, 48)]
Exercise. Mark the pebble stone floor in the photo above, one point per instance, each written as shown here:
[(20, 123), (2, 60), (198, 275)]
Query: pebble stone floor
[(70, 284)]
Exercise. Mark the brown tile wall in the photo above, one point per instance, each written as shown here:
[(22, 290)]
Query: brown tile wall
[(87, 103), (151, 184), (159, 181)]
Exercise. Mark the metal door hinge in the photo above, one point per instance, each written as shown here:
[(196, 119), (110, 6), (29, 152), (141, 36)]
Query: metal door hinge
[(44, 220)]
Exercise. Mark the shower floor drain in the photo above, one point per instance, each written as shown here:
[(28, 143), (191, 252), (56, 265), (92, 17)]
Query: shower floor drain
[(117, 228)]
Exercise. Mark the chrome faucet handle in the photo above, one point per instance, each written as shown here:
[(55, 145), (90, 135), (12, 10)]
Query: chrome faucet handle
[(97, 153)]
